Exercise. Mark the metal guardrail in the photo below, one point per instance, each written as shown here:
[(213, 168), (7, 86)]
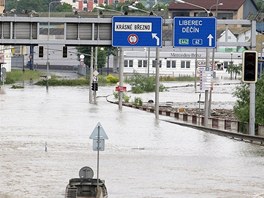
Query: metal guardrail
[(236, 136)]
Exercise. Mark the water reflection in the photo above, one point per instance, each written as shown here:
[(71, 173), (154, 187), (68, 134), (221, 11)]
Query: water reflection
[(143, 157)]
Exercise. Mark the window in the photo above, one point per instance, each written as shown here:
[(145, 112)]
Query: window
[(73, 1), (185, 64), (130, 64), (85, 1), (174, 14), (168, 64), (225, 16), (188, 64), (226, 64), (125, 63), (153, 63), (139, 63), (145, 63), (171, 64), (200, 14)]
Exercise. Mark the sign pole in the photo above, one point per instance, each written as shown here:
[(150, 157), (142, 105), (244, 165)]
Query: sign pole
[(91, 76), (98, 136), (206, 105), (98, 150), (157, 84), (121, 68), (95, 69)]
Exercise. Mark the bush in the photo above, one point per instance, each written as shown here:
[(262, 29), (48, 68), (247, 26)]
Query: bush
[(242, 106), (111, 79), (19, 75), (140, 84), (138, 101), (63, 82), (126, 98)]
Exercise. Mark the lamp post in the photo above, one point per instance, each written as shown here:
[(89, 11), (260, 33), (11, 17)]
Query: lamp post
[(215, 5), (231, 62), (186, 2), (157, 65), (206, 102), (48, 63), (150, 13), (135, 8), (106, 9)]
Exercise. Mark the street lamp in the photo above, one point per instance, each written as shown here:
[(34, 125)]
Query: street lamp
[(135, 8), (50, 3), (215, 5), (111, 10), (206, 104), (181, 1)]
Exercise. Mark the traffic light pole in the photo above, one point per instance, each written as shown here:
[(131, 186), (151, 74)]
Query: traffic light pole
[(95, 69), (91, 76), (252, 107)]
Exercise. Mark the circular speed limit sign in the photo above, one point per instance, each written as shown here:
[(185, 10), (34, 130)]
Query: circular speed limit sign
[(132, 39)]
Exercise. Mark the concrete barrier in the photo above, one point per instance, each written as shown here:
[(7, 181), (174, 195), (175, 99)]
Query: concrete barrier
[(198, 120)]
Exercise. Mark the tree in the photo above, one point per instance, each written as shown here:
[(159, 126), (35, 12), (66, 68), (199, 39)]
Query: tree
[(260, 5), (36, 5), (241, 107), (101, 55), (233, 69)]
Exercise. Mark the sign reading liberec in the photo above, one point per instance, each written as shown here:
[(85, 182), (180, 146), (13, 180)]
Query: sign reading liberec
[(136, 31), (194, 32)]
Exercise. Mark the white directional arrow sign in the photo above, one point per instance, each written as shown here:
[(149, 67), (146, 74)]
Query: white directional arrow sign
[(154, 35), (137, 31), (210, 37), (198, 32)]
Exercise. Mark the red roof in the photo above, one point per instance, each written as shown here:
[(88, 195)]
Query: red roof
[(231, 5)]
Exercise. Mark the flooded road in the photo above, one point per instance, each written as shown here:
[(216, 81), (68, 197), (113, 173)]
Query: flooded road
[(143, 158)]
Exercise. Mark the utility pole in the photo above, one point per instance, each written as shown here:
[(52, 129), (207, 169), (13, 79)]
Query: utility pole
[(91, 76)]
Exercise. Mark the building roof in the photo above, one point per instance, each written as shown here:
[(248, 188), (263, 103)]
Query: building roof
[(231, 5)]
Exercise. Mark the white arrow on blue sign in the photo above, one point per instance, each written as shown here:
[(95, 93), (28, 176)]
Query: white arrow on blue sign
[(198, 32), (136, 31)]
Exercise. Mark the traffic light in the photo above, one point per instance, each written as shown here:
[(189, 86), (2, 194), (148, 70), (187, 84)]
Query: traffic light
[(250, 67), (40, 51), (94, 86), (64, 52)]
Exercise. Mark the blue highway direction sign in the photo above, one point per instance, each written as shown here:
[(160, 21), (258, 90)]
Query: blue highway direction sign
[(136, 31), (194, 32)]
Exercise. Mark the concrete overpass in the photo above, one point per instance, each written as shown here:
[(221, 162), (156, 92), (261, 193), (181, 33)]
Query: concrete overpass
[(70, 31), (74, 31)]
